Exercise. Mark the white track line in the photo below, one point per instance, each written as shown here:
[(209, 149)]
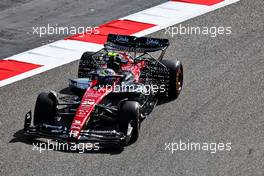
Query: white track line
[(65, 51), (172, 13)]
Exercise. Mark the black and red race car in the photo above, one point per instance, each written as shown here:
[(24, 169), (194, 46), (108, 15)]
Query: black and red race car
[(116, 89)]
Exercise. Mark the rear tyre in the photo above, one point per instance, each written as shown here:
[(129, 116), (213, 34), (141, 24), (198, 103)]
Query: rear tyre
[(45, 109), (130, 113), (175, 78), (86, 65)]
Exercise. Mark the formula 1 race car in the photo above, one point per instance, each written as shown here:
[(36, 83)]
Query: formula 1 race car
[(116, 89)]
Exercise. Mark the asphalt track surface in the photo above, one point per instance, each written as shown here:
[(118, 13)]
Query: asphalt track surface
[(222, 99)]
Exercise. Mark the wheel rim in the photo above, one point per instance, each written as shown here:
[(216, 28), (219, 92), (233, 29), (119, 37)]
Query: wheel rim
[(179, 80)]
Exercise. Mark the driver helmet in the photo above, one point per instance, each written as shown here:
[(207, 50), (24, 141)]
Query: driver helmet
[(115, 59), (104, 73)]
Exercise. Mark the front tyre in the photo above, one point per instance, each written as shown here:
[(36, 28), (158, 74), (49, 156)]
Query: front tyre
[(45, 109), (129, 114)]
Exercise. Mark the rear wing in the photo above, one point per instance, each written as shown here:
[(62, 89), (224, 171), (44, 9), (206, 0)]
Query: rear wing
[(135, 44)]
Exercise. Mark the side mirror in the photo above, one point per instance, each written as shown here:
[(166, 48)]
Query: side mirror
[(78, 86)]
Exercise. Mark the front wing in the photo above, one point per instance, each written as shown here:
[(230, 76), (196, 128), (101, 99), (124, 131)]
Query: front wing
[(63, 134)]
